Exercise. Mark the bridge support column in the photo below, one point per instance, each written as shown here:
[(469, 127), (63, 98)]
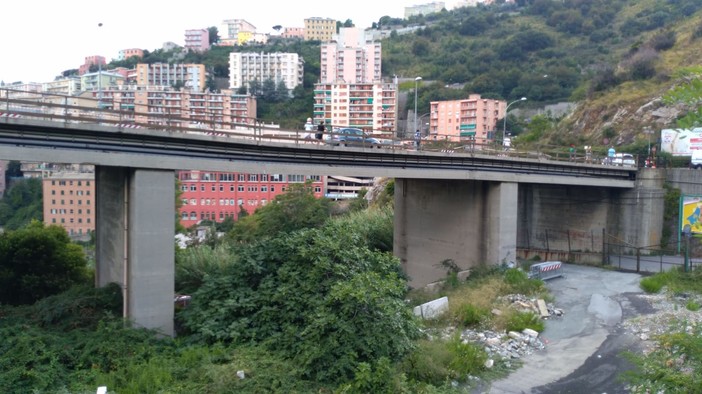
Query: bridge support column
[(468, 222), (135, 225)]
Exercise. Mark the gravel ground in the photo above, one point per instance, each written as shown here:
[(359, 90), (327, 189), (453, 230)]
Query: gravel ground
[(670, 314)]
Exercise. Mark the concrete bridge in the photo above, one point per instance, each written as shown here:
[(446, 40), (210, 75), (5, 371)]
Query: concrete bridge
[(461, 206)]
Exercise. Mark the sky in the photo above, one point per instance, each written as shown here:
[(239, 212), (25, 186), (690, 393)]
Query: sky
[(42, 38)]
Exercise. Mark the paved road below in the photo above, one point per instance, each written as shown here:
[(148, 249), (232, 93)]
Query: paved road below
[(583, 352)]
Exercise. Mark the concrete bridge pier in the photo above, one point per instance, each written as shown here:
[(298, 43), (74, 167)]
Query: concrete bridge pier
[(468, 221), (135, 225)]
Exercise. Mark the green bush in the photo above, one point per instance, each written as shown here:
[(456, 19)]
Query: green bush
[(520, 283), (651, 284), (429, 363), (321, 297), (470, 315), (38, 261), (467, 358), (521, 320), (693, 306)]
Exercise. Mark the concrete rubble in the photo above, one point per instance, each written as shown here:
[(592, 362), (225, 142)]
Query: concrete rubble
[(508, 345)]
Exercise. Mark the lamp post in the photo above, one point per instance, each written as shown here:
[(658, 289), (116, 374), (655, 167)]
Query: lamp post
[(99, 75), (504, 121), (416, 86)]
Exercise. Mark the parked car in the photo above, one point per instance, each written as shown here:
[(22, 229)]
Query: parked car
[(350, 136), (696, 159), (624, 160)]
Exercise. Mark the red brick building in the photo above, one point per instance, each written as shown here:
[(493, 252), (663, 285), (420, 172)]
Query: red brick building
[(217, 195)]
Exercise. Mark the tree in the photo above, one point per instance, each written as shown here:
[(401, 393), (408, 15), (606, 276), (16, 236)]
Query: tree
[(298, 208), (38, 261), (21, 204), (689, 92), (213, 35), (322, 297)]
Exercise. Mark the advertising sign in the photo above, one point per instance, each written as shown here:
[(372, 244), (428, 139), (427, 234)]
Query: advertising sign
[(691, 213), (681, 142)]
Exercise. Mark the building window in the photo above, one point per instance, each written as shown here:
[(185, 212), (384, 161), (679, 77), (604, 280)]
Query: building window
[(240, 188), (193, 188), (202, 188)]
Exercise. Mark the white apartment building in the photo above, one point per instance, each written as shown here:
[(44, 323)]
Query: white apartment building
[(368, 106), (245, 67), (231, 30), (424, 9), (190, 76), (65, 86), (352, 57)]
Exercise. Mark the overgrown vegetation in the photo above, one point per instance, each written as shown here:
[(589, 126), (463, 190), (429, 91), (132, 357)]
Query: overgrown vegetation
[(674, 364)]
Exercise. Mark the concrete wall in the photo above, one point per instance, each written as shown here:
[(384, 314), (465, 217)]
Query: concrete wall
[(135, 245), (469, 222), (637, 215), (562, 218), (687, 180)]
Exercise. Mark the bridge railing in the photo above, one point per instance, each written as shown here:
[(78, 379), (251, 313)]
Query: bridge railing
[(128, 113)]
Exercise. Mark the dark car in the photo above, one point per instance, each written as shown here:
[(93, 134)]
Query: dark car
[(350, 136)]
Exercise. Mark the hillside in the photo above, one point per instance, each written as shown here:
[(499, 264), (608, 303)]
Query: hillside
[(615, 59)]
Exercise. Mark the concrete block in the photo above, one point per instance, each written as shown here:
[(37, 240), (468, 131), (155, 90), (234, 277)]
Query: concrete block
[(543, 311), (432, 309)]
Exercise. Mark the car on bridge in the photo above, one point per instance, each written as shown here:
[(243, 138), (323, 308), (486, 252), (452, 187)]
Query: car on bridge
[(621, 160), (351, 136)]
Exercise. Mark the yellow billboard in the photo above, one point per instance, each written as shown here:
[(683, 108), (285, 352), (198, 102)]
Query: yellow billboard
[(691, 213)]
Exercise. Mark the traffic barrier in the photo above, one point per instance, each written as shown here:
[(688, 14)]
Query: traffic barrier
[(546, 270), (9, 115)]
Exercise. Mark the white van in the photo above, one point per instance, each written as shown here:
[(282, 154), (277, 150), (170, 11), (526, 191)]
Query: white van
[(696, 159)]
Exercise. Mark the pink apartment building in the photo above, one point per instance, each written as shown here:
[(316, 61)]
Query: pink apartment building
[(293, 32), (197, 40), (69, 202), (473, 119)]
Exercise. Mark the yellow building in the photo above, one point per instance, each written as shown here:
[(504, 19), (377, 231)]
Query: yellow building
[(320, 29)]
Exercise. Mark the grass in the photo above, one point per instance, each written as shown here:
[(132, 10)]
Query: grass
[(675, 280)]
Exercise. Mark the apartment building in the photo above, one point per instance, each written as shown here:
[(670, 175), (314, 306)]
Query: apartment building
[(189, 76), (424, 9), (163, 105), (68, 86), (319, 29), (473, 119), (293, 32), (368, 106), (351, 92), (233, 31), (101, 80), (69, 201), (352, 57), (197, 40), (245, 67), (125, 54), (216, 196)]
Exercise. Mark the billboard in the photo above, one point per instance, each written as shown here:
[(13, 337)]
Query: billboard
[(681, 142), (691, 213)]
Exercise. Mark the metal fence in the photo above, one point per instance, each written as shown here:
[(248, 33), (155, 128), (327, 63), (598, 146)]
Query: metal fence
[(600, 248), (652, 258)]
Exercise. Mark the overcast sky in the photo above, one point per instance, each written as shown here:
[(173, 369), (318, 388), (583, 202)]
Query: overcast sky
[(42, 38)]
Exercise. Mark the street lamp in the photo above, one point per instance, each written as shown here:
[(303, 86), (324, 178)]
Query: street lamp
[(416, 86), (99, 75), (504, 121)]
